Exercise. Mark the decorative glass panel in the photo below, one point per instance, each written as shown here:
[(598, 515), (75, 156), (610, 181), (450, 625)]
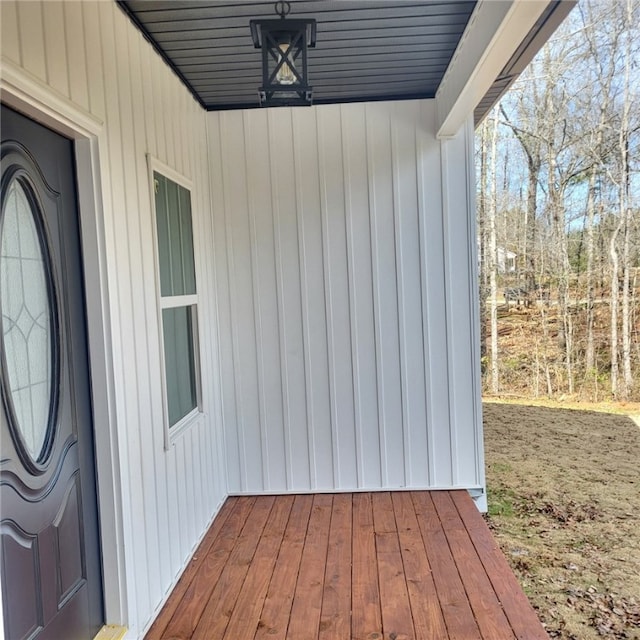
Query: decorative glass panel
[(179, 362), (175, 238), (27, 330)]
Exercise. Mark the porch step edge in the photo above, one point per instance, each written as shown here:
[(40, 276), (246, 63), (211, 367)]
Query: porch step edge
[(111, 632)]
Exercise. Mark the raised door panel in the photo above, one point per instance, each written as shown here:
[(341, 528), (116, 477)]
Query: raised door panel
[(20, 557)]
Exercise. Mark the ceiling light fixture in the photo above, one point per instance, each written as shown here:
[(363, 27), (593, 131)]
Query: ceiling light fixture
[(284, 45)]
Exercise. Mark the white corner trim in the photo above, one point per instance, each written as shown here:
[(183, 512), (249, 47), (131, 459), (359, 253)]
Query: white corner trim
[(21, 90), (445, 147), (493, 34), (459, 219)]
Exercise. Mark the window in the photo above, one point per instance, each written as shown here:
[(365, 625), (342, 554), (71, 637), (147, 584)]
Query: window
[(178, 301)]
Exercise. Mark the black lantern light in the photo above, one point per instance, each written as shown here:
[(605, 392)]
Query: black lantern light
[(284, 45)]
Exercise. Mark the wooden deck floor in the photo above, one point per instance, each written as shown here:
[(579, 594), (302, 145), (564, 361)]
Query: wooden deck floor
[(360, 566)]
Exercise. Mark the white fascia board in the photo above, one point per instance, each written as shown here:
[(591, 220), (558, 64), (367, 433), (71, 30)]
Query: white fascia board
[(495, 30)]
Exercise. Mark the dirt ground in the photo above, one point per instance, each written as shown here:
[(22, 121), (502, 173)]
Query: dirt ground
[(564, 504)]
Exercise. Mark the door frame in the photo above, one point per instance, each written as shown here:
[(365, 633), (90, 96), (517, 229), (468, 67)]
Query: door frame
[(33, 98)]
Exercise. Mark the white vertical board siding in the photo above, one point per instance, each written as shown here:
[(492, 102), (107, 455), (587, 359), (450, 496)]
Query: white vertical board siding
[(90, 54), (362, 319), (345, 290), (316, 357)]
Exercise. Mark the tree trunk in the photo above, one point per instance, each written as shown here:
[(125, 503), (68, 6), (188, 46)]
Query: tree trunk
[(493, 261), (556, 204), (626, 307), (591, 205), (482, 245), (625, 211), (532, 204), (613, 256)]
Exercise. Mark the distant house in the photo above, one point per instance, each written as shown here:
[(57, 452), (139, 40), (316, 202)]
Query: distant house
[(506, 260)]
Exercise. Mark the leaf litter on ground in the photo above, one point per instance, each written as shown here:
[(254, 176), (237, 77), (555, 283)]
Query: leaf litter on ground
[(564, 505)]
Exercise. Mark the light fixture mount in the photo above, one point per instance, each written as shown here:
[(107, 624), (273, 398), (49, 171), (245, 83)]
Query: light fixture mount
[(284, 44)]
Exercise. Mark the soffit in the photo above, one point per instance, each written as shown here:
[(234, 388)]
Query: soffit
[(380, 50), (366, 50)]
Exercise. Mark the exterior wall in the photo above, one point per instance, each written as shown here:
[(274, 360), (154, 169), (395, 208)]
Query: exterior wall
[(90, 56), (346, 284)]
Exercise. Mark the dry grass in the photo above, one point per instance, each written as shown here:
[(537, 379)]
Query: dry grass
[(564, 504)]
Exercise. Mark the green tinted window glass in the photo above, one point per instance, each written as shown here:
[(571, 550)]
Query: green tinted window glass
[(175, 237), (179, 362), (186, 242)]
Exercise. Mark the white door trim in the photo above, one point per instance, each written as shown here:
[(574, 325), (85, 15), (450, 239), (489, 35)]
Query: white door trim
[(22, 91)]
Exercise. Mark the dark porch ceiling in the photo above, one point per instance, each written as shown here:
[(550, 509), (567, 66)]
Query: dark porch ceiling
[(366, 50)]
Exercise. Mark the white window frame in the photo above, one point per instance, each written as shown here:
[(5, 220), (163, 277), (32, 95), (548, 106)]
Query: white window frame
[(173, 432)]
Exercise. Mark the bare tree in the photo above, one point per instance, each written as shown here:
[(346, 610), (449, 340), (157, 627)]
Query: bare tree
[(493, 257), (482, 242), (532, 148), (604, 71), (625, 208), (619, 175)]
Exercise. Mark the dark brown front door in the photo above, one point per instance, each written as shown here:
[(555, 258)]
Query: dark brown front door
[(50, 552)]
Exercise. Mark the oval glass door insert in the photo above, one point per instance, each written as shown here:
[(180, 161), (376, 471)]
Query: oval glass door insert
[(27, 304)]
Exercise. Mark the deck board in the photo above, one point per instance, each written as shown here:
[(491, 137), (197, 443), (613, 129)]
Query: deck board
[(307, 600), (489, 615), (413, 565), (397, 621), (245, 617), (454, 603), (425, 606), (215, 617), (366, 617), (200, 577), (519, 612), (277, 605), (335, 621)]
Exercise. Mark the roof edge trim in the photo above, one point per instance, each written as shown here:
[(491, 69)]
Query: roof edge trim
[(538, 36), (495, 33)]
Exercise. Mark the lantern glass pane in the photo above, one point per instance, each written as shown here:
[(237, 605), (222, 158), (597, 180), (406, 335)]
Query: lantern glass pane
[(285, 74)]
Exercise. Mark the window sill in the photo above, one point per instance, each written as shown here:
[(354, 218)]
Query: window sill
[(179, 428)]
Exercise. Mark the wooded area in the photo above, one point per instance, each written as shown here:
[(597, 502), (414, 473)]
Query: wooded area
[(559, 215)]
